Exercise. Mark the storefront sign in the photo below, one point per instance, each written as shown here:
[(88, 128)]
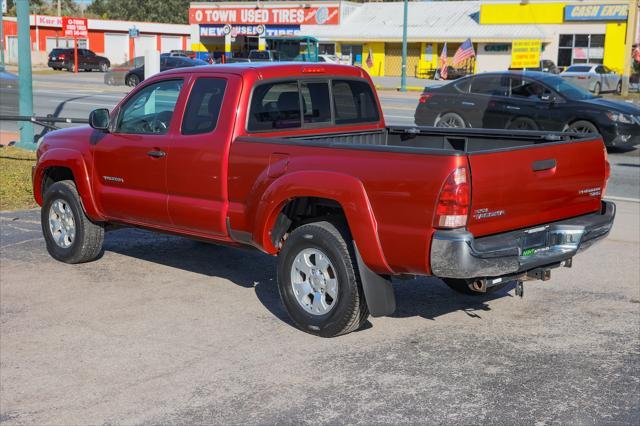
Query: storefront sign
[(313, 15), (75, 27), (48, 21), (525, 53), (596, 12), (252, 30)]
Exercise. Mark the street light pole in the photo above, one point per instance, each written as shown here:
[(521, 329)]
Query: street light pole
[(403, 77), (25, 90), (632, 20)]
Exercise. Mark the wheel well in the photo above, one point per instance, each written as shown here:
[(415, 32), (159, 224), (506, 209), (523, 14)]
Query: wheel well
[(55, 174), (301, 210)]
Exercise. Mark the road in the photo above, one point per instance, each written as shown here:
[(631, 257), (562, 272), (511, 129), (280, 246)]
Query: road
[(163, 330), (66, 95)]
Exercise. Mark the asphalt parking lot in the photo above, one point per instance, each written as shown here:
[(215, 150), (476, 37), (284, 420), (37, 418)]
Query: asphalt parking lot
[(164, 330)]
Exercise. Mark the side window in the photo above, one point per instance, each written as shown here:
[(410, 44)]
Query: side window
[(600, 69), (494, 85), (353, 102), (463, 85), (203, 106), (526, 89), (275, 106), (316, 104), (150, 110)]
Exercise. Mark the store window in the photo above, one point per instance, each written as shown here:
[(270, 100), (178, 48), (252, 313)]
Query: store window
[(580, 49), (59, 42), (326, 49)]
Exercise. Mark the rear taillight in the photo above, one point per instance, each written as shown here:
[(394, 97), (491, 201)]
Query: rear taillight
[(425, 97), (452, 209), (61, 57), (607, 172)]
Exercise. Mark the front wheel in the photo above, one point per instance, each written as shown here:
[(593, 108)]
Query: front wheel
[(597, 89), (318, 280), (619, 88), (582, 126), (132, 80), (103, 67), (71, 237)]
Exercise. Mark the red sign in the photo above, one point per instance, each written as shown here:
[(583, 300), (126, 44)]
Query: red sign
[(75, 27), (314, 15)]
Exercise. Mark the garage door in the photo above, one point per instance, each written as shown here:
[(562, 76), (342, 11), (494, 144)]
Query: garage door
[(12, 49), (393, 59), (144, 43), (170, 43), (116, 48)]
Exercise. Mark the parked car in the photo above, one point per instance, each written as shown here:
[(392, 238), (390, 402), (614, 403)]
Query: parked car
[(8, 93), (136, 75), (302, 166), (87, 60), (546, 65), (594, 77), (528, 101), (117, 74), (264, 56), (332, 59)]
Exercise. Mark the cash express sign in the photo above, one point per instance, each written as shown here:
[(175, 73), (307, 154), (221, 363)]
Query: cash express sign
[(596, 12), (313, 15)]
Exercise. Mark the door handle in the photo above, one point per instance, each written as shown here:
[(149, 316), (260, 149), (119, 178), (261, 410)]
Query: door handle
[(541, 165), (156, 154), (468, 103), (513, 107)]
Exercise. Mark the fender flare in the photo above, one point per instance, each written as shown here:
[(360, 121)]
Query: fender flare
[(346, 190), (73, 160)]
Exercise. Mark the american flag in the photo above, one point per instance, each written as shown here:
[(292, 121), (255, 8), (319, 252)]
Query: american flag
[(369, 60), (443, 63), (636, 54), (464, 52)]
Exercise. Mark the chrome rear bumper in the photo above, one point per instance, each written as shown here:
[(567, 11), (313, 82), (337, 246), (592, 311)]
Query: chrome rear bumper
[(457, 254)]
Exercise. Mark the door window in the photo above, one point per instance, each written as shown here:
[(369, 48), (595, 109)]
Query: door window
[(203, 107), (494, 85), (527, 89), (150, 110)]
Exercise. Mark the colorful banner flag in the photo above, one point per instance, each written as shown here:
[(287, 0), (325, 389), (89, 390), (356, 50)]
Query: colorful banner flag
[(444, 72)]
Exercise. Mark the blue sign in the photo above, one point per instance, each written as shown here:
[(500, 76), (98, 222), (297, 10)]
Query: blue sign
[(596, 12), (134, 32), (253, 30)]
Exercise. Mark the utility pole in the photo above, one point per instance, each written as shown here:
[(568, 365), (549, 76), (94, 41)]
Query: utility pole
[(632, 20), (403, 77), (24, 75)]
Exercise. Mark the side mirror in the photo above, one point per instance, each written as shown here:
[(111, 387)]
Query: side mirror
[(99, 119)]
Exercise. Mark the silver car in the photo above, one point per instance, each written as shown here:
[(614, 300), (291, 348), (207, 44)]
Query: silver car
[(594, 77)]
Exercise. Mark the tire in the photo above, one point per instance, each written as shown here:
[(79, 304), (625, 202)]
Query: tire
[(582, 126), (310, 247), (451, 120), (596, 89), (619, 88), (103, 67), (462, 286), (522, 123), (132, 80), (85, 244)]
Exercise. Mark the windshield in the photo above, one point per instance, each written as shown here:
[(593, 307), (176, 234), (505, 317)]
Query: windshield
[(567, 89)]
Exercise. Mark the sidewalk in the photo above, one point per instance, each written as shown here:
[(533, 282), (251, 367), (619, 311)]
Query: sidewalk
[(413, 83)]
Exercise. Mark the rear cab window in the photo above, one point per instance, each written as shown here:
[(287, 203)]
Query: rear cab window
[(203, 106), (307, 103)]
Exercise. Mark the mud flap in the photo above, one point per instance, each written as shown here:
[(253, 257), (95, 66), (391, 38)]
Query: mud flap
[(381, 299)]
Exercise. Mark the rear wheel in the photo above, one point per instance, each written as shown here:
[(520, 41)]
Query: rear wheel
[(619, 88), (318, 280), (71, 237), (471, 287), (132, 80), (582, 126), (596, 89), (450, 119)]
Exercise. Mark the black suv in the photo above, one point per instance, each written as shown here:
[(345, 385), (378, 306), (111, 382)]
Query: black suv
[(87, 60)]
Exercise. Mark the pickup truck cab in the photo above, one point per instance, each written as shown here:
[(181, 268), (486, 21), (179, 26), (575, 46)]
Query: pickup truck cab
[(296, 161)]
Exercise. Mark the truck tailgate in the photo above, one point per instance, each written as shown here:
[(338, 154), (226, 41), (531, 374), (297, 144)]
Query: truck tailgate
[(512, 189)]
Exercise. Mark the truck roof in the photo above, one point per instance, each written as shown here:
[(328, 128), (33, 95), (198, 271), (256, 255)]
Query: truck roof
[(273, 69)]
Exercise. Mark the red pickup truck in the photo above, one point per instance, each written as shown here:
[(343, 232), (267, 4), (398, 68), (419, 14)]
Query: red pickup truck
[(296, 161)]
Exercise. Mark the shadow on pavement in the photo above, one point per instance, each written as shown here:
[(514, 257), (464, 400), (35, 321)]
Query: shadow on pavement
[(428, 298)]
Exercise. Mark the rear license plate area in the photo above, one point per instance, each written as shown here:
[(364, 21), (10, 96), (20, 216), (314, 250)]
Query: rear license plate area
[(534, 242)]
